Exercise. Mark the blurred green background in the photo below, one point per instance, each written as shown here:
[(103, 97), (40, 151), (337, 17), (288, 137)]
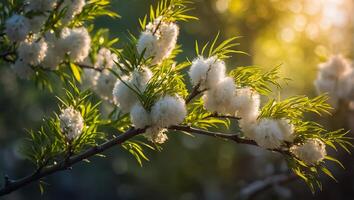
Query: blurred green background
[(298, 34)]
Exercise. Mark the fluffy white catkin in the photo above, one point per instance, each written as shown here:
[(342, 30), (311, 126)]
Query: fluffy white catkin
[(123, 96), (141, 118), (74, 7), (247, 104), (271, 133), (32, 51), (76, 42), (334, 78), (103, 82), (158, 40), (168, 110), (221, 98), (247, 108), (55, 55), (17, 28), (311, 152), (207, 72), (71, 123)]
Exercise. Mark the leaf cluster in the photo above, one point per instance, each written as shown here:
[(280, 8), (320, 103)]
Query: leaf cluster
[(169, 11), (221, 51), (50, 144), (199, 117), (255, 78)]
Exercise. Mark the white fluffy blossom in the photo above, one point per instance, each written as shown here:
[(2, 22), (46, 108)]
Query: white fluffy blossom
[(71, 123), (32, 51), (105, 59), (148, 42), (123, 96), (76, 42), (334, 78), (54, 55), (104, 84), (74, 7), (158, 40), (271, 133), (40, 5), (207, 72), (141, 119), (17, 28), (247, 104), (221, 98), (311, 152), (168, 111), (22, 69)]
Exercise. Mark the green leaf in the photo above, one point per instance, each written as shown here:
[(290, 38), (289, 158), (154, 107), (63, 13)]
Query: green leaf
[(75, 70)]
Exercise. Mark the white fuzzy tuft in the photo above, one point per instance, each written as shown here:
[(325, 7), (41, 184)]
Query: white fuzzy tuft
[(71, 123), (76, 42), (139, 117), (74, 7), (221, 98), (123, 96), (271, 133), (32, 52), (104, 83), (247, 103), (311, 152), (158, 40), (148, 42), (22, 69), (287, 129), (17, 28), (168, 111), (334, 77), (207, 72), (90, 78), (105, 59)]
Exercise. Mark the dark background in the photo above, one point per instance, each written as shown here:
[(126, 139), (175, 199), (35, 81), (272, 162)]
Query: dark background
[(295, 33)]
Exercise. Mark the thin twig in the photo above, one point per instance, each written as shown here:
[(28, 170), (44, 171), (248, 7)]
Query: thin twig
[(216, 115), (233, 137), (255, 188), (195, 92), (12, 185), (83, 66)]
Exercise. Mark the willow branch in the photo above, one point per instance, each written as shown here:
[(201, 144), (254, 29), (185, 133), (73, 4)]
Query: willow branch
[(83, 66), (195, 92), (12, 185), (234, 137), (254, 189)]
